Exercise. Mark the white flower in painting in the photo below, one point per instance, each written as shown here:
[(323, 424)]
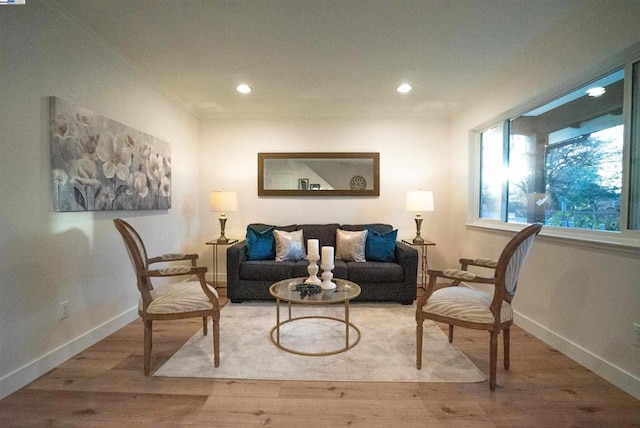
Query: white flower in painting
[(105, 198), (60, 177), (145, 152), (165, 187), (85, 117), (155, 168), (85, 172), (61, 127), (115, 154), (139, 183), (167, 164), (88, 147)]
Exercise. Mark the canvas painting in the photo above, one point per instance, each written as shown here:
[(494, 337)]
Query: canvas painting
[(99, 164)]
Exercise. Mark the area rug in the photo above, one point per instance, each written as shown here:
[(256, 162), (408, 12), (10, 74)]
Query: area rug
[(385, 352)]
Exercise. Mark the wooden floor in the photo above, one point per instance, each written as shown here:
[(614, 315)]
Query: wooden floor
[(104, 387)]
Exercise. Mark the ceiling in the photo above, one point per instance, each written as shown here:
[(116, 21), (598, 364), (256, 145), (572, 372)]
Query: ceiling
[(315, 58)]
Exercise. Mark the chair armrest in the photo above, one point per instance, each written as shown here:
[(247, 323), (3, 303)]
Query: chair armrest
[(172, 257), (458, 274), (486, 263), (175, 271)]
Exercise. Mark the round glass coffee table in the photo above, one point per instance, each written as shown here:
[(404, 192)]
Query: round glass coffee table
[(285, 291)]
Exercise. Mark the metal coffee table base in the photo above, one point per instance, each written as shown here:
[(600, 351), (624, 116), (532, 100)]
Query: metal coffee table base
[(275, 331)]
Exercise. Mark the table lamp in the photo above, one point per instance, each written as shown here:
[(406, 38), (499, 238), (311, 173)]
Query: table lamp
[(223, 202), (419, 201)]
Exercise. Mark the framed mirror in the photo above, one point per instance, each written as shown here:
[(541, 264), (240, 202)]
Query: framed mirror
[(318, 174)]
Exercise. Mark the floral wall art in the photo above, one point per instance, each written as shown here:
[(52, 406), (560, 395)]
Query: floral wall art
[(99, 164)]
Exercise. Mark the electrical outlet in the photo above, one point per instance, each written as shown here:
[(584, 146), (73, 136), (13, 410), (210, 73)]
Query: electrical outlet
[(63, 310), (636, 334)]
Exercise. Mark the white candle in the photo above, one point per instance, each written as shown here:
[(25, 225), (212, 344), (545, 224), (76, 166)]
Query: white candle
[(327, 256), (312, 247)]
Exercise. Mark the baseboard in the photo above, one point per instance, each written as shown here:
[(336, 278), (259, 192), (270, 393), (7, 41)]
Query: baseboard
[(617, 376), (31, 371)]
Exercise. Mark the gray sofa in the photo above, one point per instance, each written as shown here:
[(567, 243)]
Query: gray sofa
[(394, 281)]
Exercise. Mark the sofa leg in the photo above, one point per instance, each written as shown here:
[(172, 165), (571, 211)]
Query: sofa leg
[(236, 301)]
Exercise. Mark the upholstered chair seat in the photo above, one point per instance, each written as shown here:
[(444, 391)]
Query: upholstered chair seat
[(178, 298), (466, 304)]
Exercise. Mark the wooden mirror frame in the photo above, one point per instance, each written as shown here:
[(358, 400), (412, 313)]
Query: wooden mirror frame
[(375, 173)]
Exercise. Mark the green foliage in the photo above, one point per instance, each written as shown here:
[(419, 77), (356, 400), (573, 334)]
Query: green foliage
[(574, 175), (308, 290)]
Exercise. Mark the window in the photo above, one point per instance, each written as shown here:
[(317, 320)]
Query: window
[(491, 177), (634, 181), (562, 163)]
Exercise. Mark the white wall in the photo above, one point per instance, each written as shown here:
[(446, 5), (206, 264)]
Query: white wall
[(413, 154), (47, 257), (581, 300)]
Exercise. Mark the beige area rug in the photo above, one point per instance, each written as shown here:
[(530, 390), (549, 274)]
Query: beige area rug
[(386, 351)]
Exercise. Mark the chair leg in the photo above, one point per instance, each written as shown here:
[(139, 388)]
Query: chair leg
[(216, 342), (507, 340), (450, 333), (148, 332), (493, 357), (204, 325), (419, 345)]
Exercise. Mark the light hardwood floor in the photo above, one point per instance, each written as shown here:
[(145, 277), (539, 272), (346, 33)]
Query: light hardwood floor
[(104, 386)]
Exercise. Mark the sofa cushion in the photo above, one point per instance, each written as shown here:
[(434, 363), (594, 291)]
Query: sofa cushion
[(266, 270), (350, 246), (325, 233), (340, 269), (381, 247), (375, 272), (260, 243), (300, 269), (378, 227), (289, 245)]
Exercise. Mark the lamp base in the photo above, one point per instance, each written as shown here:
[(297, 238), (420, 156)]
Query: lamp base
[(418, 239), (222, 239)]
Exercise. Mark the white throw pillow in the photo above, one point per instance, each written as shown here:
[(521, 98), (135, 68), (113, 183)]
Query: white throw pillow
[(350, 246), (289, 245)]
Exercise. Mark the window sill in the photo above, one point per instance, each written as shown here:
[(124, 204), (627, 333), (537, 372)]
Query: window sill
[(604, 241)]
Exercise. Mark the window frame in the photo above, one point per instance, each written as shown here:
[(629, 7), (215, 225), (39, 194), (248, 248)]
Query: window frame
[(626, 240)]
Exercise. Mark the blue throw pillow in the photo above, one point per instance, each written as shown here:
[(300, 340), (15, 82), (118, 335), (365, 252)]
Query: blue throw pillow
[(381, 247), (261, 245)]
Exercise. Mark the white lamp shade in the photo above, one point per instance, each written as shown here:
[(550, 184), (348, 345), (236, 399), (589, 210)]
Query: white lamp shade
[(419, 200), (223, 202)]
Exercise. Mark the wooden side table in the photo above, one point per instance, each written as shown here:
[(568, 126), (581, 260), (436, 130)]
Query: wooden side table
[(215, 245), (424, 263)]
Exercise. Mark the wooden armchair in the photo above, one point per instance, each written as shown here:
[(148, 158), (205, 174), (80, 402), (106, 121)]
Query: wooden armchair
[(180, 300), (459, 305)]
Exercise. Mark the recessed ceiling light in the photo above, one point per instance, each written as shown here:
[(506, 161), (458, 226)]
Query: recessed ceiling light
[(596, 91), (404, 88), (243, 88)]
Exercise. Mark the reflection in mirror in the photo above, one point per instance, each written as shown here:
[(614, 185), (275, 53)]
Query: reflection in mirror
[(318, 174)]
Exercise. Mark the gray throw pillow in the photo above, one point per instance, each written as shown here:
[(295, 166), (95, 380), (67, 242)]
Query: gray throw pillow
[(350, 246), (289, 245)]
